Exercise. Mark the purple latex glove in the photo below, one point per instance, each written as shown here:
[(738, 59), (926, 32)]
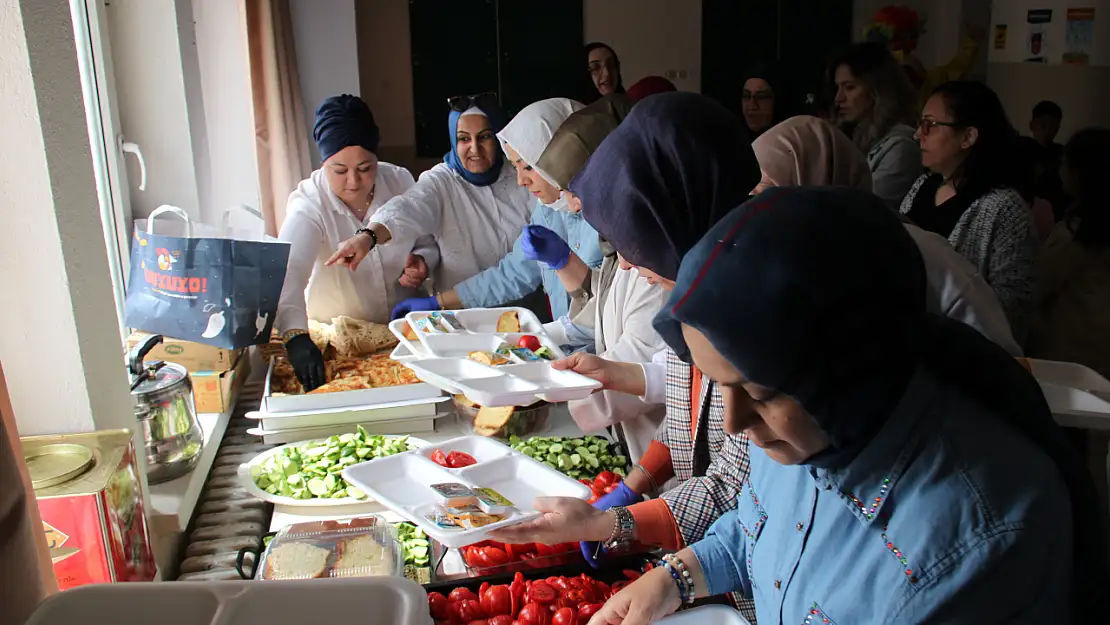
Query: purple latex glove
[(545, 246), (622, 496), (413, 304)]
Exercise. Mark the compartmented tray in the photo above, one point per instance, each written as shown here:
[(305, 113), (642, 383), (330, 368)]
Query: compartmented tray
[(505, 385), (361, 398), (247, 481), (402, 484), (406, 349), (1077, 395), (405, 426), (461, 345), (482, 321), (390, 411)]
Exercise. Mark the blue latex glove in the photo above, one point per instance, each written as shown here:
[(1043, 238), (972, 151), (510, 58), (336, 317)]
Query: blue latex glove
[(541, 244), (622, 496), (413, 304)]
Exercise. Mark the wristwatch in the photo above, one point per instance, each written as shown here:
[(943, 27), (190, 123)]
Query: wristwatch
[(373, 236), (624, 526)]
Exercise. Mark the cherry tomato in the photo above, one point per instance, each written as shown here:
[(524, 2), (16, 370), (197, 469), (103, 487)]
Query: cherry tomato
[(439, 458), (607, 477), (529, 342), (543, 592), (497, 601), (462, 594), (534, 614), (586, 612), (437, 605), (565, 616), (458, 460), (500, 620), (470, 610)]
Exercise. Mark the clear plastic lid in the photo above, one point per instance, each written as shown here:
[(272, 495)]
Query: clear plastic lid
[(361, 547)]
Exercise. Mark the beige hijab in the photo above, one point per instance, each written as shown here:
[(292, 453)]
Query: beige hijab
[(807, 151)]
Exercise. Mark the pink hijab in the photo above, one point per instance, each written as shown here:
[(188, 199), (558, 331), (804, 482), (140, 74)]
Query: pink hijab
[(807, 151)]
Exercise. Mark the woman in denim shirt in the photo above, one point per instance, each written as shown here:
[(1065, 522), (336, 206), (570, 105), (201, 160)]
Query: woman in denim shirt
[(516, 276), (909, 470)]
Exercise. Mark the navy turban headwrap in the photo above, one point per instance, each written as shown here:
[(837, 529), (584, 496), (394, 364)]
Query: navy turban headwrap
[(343, 121)]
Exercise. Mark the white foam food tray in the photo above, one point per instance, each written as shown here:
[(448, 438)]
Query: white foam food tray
[(392, 411), (247, 482), (389, 599), (346, 399), (403, 482), (461, 345), (406, 349), (506, 385), (1078, 396), (706, 615), (483, 320)]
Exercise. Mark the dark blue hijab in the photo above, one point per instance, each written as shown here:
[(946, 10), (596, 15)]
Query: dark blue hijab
[(343, 121), (671, 169), (819, 293), (497, 121)]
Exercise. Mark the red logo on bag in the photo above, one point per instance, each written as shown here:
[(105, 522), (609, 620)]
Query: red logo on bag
[(166, 258)]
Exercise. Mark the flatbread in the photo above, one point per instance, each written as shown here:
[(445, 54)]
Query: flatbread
[(354, 337), (509, 322)]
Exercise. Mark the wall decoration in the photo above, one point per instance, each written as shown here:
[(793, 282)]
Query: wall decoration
[(999, 36), (1037, 44), (1079, 36)]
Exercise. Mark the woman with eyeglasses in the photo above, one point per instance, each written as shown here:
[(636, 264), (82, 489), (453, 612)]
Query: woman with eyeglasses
[(554, 234), (969, 194), (604, 69), (764, 98), (470, 203), (876, 106), (340, 197)]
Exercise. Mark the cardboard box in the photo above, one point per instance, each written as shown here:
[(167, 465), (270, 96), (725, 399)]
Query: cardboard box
[(192, 356), (213, 391)]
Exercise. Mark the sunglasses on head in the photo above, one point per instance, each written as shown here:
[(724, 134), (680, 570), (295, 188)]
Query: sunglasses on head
[(462, 103)]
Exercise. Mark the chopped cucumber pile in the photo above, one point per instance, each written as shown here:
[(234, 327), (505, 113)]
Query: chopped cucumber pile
[(417, 549), (580, 458), (312, 470)]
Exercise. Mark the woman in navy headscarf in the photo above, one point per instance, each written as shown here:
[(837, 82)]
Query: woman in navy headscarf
[(470, 203), (350, 187)]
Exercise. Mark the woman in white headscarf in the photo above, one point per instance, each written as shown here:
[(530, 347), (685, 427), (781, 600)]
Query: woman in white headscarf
[(545, 245)]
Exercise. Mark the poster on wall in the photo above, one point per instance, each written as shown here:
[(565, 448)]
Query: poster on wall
[(1037, 43), (999, 36), (1079, 36)]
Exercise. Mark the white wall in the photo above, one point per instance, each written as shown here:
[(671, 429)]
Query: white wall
[(327, 54), (651, 37), (1082, 91), (59, 338)]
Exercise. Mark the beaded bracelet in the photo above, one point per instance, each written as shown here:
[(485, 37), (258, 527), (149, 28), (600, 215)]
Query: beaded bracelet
[(681, 573), (291, 334), (682, 592)]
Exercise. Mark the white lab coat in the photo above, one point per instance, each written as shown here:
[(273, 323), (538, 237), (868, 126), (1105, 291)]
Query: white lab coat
[(474, 226), (623, 332), (316, 223)]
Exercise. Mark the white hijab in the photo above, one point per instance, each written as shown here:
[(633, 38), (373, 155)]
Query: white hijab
[(531, 130)]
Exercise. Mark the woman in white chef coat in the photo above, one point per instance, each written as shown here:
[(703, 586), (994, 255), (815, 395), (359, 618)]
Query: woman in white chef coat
[(328, 207), (470, 202)]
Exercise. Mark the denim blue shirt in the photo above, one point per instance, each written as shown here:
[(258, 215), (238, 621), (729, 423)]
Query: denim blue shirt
[(516, 276), (944, 517)]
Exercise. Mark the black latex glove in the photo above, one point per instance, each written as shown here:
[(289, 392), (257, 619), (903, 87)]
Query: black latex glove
[(307, 361)]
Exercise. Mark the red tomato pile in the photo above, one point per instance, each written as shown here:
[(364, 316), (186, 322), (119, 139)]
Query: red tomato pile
[(490, 553), (551, 601), (453, 460), (605, 483)]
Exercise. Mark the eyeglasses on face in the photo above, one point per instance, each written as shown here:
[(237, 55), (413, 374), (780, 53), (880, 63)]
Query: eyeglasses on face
[(462, 103), (925, 125), (757, 96)]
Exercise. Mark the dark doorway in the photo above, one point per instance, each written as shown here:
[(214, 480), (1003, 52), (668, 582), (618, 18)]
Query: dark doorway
[(522, 51), (800, 34)]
